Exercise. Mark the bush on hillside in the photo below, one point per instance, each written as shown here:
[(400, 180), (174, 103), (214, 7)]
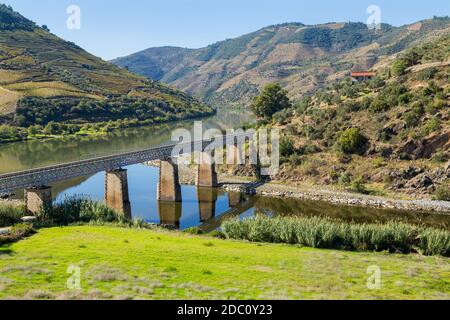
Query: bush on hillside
[(443, 192), (351, 141)]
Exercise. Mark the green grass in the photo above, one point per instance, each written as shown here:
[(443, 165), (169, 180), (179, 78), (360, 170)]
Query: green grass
[(120, 263)]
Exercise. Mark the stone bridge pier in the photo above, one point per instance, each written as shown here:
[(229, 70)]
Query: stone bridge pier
[(169, 188), (206, 172), (116, 191), (38, 198), (170, 214), (207, 198)]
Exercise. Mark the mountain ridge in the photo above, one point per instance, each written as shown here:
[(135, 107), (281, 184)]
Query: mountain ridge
[(301, 57)]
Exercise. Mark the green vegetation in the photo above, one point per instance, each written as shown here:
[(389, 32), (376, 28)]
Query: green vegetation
[(46, 80), (78, 210), (68, 211), (443, 192), (10, 214), (271, 100), (10, 20), (358, 186), (351, 141), (395, 237), (118, 263)]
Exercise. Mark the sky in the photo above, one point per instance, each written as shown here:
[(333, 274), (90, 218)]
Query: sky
[(115, 28)]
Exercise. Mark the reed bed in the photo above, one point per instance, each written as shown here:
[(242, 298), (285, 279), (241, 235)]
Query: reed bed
[(326, 233), (78, 209)]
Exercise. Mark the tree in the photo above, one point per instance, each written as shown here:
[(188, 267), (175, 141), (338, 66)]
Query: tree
[(271, 100)]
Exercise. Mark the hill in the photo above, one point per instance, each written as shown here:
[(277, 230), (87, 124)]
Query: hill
[(391, 133), (300, 57), (45, 79)]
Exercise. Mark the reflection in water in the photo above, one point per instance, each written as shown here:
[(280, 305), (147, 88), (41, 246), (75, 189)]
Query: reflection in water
[(235, 198), (170, 214), (294, 207), (207, 198)]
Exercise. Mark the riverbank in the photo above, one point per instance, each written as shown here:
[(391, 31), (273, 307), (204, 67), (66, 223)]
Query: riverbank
[(281, 189), (278, 189), (173, 265)]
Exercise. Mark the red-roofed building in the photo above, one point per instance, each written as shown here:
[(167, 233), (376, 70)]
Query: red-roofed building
[(363, 75)]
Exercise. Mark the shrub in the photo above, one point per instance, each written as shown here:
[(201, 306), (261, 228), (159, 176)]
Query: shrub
[(282, 116), (436, 106), (411, 118), (399, 68), (286, 147), (379, 105), (11, 214), (395, 237), (432, 125), (344, 179), (443, 192), (358, 186), (351, 141), (427, 74), (440, 157)]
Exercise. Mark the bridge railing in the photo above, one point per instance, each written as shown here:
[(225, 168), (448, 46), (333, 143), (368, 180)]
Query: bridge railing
[(41, 176)]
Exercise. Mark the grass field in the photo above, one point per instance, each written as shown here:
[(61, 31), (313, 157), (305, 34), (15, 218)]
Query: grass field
[(120, 263)]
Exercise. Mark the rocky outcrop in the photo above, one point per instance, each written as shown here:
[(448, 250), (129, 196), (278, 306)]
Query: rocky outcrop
[(425, 148), (418, 180)]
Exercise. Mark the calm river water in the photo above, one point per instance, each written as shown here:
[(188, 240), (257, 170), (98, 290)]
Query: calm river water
[(214, 205)]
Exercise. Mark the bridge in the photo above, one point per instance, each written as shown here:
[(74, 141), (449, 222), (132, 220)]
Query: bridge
[(38, 193)]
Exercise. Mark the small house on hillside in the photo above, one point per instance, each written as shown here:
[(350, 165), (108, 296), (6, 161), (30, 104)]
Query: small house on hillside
[(362, 75)]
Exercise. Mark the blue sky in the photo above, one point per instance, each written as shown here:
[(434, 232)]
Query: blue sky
[(113, 28)]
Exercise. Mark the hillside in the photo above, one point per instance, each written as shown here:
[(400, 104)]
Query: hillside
[(44, 78), (391, 133), (300, 57)]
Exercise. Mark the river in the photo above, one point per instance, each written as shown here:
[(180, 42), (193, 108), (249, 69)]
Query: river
[(214, 205)]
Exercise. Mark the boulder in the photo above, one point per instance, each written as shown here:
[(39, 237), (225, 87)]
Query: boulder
[(28, 219)]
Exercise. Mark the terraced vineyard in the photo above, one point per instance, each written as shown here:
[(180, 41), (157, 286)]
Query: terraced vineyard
[(35, 63)]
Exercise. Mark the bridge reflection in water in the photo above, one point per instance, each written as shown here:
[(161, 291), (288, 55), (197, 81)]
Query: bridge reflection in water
[(170, 213)]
